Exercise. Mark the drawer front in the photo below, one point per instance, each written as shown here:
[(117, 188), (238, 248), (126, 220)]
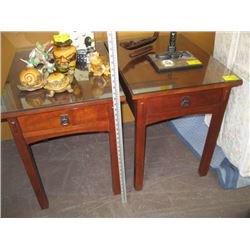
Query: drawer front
[(179, 102), (64, 120)]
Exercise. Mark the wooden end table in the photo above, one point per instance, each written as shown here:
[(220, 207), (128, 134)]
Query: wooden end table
[(32, 117), (155, 97)]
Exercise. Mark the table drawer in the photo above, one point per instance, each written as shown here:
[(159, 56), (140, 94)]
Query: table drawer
[(64, 120), (183, 101)]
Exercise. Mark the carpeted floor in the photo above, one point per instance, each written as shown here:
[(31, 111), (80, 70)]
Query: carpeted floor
[(76, 174)]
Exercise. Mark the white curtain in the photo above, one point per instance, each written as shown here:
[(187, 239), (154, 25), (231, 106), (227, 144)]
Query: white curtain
[(233, 50)]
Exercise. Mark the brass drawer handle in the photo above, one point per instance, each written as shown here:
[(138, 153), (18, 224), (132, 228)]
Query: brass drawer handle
[(64, 120), (185, 101)]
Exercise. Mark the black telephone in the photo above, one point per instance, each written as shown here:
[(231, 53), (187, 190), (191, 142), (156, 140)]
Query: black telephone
[(172, 53), (172, 42), (172, 59), (130, 45)]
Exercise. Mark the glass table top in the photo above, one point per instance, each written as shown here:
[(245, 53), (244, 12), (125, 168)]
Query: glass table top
[(141, 77), (86, 88)]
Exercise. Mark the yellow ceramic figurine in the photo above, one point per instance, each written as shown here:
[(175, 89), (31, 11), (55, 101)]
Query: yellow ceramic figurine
[(30, 79), (97, 64), (57, 83), (64, 54)]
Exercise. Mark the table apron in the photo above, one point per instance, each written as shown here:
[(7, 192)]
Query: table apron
[(153, 118), (171, 106), (37, 127)]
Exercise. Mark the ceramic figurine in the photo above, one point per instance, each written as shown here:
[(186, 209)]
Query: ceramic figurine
[(30, 79), (64, 53), (42, 58), (97, 65), (58, 82)]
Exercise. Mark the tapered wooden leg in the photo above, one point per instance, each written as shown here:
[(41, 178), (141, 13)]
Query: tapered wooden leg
[(213, 132), (29, 163), (140, 139), (113, 155)]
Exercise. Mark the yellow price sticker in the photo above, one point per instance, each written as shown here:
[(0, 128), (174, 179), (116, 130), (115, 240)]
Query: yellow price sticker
[(230, 78), (165, 87), (193, 62), (3, 91)]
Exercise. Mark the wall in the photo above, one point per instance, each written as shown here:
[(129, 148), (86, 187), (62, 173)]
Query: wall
[(7, 54), (12, 41), (205, 40)]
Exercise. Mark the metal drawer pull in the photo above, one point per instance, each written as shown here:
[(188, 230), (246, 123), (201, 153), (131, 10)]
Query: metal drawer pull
[(64, 120), (185, 101)]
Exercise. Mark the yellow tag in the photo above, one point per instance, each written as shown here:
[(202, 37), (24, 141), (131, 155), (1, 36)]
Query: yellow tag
[(193, 62), (230, 78), (164, 87), (3, 91), (61, 38)]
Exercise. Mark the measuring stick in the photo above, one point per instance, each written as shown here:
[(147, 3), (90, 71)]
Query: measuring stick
[(117, 110)]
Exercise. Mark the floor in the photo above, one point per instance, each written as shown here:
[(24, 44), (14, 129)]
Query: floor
[(76, 174)]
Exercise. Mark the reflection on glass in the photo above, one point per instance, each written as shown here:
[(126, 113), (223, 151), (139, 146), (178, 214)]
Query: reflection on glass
[(86, 87), (142, 78)]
